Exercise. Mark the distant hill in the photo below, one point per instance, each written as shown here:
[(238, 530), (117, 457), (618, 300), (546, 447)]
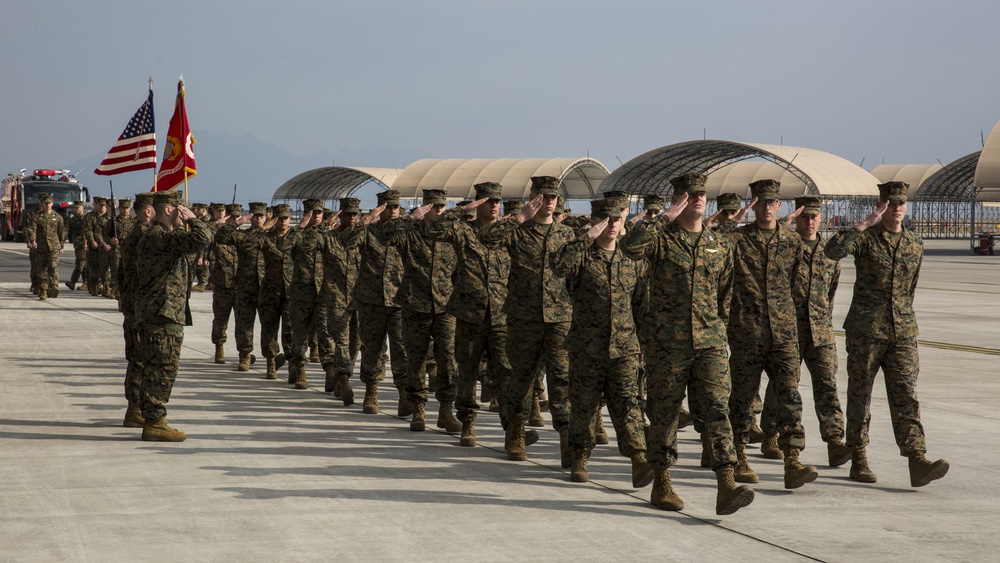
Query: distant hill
[(256, 167)]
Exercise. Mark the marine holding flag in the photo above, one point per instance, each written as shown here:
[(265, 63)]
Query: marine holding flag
[(178, 155)]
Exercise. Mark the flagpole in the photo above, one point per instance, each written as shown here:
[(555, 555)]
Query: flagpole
[(154, 133), (184, 143)]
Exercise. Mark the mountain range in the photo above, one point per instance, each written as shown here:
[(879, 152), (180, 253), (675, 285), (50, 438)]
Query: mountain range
[(255, 167)]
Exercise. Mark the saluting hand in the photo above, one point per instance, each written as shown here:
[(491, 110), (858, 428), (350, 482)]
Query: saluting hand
[(596, 229), (790, 218), (743, 212), (474, 204), (373, 215), (530, 208), (676, 208), (875, 217), (418, 213)]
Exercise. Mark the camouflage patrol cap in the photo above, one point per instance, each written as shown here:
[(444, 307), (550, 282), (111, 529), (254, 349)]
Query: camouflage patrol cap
[(435, 197), (144, 198), (388, 197), (258, 208), (44, 197), (195, 206), (171, 197), (545, 185), (312, 205), (560, 206), (98, 200), (282, 210), (765, 190), (125, 203), (234, 209), (602, 208), (77, 203), (491, 190), (653, 202), (729, 202), (689, 183), (813, 204), (327, 213), (619, 196), (217, 207), (893, 191), (512, 206), (350, 205)]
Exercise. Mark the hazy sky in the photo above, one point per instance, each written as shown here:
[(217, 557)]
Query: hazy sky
[(904, 81)]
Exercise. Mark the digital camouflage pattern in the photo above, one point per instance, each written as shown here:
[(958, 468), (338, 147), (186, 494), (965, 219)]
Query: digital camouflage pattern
[(272, 300), (47, 230), (763, 333), (603, 346), (224, 263), (250, 267), (334, 324), (128, 279), (93, 232), (690, 286), (304, 310), (882, 331), (75, 227)]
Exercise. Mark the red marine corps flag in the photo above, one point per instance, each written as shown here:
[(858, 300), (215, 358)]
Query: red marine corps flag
[(136, 147), (178, 154)]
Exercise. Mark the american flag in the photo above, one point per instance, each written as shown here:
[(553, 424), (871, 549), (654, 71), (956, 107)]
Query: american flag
[(136, 147)]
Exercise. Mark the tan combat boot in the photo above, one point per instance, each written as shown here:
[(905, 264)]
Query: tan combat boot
[(535, 414), (923, 471), (743, 472), (346, 392), (756, 434), (468, 438), (663, 495), (43, 294), (331, 379), (642, 471), (301, 381), (579, 472), (565, 453), (769, 447), (220, 354), (199, 288), (495, 405), (133, 417), (684, 419), (405, 406), (859, 466), (730, 497), (446, 417), (370, 404), (797, 474), (600, 434), (419, 421), (107, 292), (514, 442), (83, 286), (838, 453), (159, 431), (706, 451), (272, 369), (314, 356), (244, 364)]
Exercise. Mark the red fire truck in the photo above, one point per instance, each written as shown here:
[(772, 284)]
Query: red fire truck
[(19, 194)]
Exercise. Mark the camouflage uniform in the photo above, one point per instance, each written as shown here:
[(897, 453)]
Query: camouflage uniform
[(128, 279), (308, 246), (539, 311), (813, 292), (249, 245), (162, 280), (94, 233), (379, 278), (691, 278), (272, 300), (423, 296), (123, 227), (48, 232), (75, 227), (882, 332), (477, 301), (341, 271), (762, 331), (603, 346), (225, 259)]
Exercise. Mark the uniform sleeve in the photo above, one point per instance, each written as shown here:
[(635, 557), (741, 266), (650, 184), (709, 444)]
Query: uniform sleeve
[(640, 241), (443, 228), (394, 232), (566, 263), (499, 234), (725, 296), (834, 284), (844, 243), (61, 231)]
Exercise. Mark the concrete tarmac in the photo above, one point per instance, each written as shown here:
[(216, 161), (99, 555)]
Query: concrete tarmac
[(270, 473)]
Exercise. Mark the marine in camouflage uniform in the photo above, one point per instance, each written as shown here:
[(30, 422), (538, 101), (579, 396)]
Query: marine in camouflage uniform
[(539, 311), (426, 289), (477, 301), (163, 282), (94, 233), (45, 234), (691, 280), (603, 346), (813, 293), (225, 260), (75, 228), (763, 335), (881, 329), (339, 351), (201, 271), (308, 244), (249, 245), (123, 223), (379, 278), (127, 281), (272, 300)]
